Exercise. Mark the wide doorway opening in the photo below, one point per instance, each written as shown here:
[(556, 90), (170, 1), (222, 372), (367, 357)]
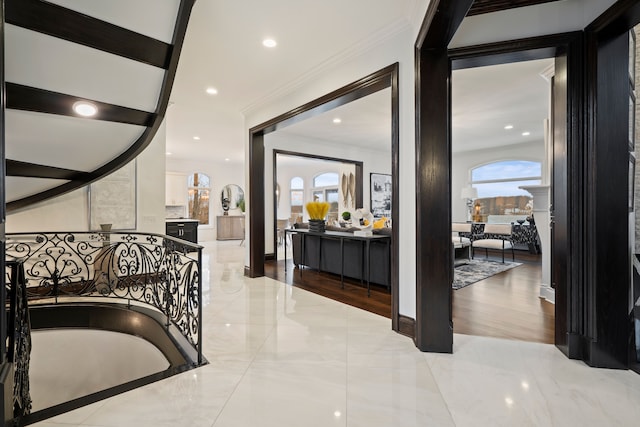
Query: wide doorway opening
[(500, 182), (371, 188)]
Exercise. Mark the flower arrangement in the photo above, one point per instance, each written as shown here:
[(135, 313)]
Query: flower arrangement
[(317, 210)]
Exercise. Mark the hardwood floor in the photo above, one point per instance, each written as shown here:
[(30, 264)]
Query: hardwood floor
[(505, 305), (328, 285)]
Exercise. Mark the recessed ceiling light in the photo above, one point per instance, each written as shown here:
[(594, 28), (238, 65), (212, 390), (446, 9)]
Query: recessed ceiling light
[(507, 127), (168, 153), (526, 133), (84, 108), (269, 43), (337, 120), (212, 91), (227, 159), (197, 138)]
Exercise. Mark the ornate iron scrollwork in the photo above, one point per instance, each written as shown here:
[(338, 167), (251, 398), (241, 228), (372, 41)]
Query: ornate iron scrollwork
[(156, 270), (19, 337)]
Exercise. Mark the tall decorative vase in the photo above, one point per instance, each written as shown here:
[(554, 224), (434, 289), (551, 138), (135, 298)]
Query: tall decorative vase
[(317, 225)]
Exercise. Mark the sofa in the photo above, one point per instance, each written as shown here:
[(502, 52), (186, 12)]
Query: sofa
[(322, 252)]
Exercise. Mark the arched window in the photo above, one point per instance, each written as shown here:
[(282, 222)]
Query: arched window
[(498, 193), (297, 195), (325, 189), (199, 196)]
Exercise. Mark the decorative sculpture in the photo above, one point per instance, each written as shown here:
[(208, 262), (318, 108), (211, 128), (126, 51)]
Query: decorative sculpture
[(364, 221)]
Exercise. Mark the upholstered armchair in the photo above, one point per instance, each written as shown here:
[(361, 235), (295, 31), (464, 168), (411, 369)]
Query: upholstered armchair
[(496, 237)]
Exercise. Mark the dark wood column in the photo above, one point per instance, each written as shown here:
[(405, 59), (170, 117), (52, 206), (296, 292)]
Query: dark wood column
[(6, 368), (434, 266), (256, 204), (608, 218)]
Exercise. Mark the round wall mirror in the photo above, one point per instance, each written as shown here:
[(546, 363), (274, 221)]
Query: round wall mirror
[(232, 197)]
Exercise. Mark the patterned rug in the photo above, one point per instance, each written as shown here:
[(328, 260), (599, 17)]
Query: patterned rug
[(477, 270)]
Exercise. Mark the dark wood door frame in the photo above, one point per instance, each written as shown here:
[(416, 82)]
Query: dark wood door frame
[(568, 176), (382, 79), (609, 332), (358, 175), (6, 368), (434, 329)]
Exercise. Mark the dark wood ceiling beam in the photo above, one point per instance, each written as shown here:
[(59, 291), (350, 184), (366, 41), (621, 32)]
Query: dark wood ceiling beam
[(144, 140), (63, 23), (487, 6), (28, 98), (32, 170)]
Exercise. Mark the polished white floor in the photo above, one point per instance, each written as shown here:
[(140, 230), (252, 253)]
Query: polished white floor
[(280, 356), (100, 359)]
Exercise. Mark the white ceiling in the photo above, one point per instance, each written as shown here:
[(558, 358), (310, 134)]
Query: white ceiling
[(223, 50), (365, 123), (486, 99)]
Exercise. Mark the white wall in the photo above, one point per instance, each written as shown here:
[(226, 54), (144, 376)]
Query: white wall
[(397, 47), (221, 174), (70, 212), (307, 171), (463, 162)]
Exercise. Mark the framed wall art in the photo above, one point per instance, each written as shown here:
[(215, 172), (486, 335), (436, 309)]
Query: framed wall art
[(380, 188)]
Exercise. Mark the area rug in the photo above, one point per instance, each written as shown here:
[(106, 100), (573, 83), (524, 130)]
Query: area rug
[(476, 270)]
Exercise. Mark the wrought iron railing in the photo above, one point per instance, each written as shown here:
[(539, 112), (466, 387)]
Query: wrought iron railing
[(150, 269), (18, 340)]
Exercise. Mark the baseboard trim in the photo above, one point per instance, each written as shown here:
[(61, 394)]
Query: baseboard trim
[(247, 271), (548, 293), (407, 326), (270, 257)]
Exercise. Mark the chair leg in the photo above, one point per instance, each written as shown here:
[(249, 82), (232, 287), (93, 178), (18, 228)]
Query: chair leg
[(513, 254), (486, 252)]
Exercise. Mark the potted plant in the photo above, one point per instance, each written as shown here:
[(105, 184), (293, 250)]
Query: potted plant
[(317, 213)]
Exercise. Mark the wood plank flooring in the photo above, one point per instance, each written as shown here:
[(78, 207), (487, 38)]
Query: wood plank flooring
[(328, 285), (505, 305)]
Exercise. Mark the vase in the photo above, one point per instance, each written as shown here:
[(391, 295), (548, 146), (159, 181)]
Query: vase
[(316, 225)]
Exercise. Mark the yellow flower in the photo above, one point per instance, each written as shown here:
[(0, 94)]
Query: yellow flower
[(317, 210)]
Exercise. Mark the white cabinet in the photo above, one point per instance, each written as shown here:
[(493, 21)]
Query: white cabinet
[(176, 189)]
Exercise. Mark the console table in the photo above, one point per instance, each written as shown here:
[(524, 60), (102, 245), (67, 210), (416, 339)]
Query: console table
[(365, 243)]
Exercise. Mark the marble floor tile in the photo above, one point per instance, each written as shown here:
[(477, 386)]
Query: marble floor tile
[(281, 356)]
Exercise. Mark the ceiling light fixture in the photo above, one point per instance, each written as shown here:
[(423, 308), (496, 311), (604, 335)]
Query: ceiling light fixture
[(507, 127), (168, 153), (337, 120), (269, 43), (226, 160), (85, 109), (197, 138), (212, 91), (526, 133)]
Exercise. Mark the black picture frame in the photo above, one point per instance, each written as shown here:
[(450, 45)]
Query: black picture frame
[(632, 181), (380, 186), (632, 58), (632, 121)]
